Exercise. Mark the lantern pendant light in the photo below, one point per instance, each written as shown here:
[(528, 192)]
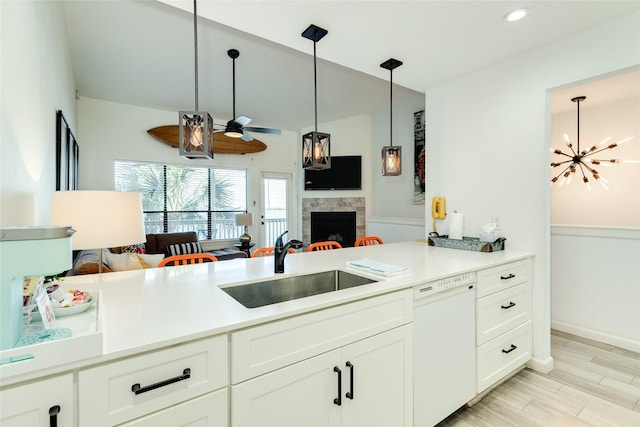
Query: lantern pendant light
[(316, 146), (391, 156), (195, 127)]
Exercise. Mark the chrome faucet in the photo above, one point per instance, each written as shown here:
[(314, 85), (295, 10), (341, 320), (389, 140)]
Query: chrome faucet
[(281, 251)]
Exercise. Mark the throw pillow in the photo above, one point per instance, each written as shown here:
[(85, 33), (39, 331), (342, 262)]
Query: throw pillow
[(123, 262), (150, 260), (184, 248), (137, 248), (86, 262)]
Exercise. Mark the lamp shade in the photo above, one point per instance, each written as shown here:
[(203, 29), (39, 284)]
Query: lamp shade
[(244, 219), (102, 219)]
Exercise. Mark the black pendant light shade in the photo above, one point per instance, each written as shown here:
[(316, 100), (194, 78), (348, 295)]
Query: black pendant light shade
[(316, 146), (195, 134), (391, 155)]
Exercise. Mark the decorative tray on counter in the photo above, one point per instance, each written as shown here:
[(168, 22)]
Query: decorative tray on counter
[(467, 244)]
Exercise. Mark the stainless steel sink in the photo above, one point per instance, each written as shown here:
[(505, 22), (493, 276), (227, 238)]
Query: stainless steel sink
[(258, 294)]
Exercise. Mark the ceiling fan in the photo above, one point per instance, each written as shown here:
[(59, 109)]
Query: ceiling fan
[(237, 127)]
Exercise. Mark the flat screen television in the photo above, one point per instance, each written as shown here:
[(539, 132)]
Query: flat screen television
[(345, 174)]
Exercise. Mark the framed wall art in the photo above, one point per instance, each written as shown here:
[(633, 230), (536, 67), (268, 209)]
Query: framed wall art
[(67, 155), (419, 183)]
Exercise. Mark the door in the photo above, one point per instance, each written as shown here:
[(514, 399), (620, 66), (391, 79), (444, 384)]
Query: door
[(382, 389), (40, 403), (275, 205), (298, 395)]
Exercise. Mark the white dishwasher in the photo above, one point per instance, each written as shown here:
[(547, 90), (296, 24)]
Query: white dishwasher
[(444, 348)]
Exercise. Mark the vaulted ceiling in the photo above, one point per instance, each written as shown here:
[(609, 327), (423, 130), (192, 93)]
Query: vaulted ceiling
[(141, 52)]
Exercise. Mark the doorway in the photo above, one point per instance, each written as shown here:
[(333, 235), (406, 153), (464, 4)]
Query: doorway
[(275, 206)]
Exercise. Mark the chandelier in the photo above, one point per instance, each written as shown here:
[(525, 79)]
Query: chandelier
[(583, 160)]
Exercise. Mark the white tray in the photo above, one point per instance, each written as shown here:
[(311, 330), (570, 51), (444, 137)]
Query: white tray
[(85, 342)]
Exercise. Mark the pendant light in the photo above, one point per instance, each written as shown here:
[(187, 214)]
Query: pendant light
[(581, 160), (316, 146), (195, 127), (391, 156)]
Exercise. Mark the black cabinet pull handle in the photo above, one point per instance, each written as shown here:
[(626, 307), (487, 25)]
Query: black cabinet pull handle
[(53, 415), (506, 307), (338, 400), (513, 347), (137, 389), (350, 392), (510, 276)]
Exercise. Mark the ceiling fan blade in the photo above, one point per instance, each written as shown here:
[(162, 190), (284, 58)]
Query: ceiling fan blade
[(242, 120), (247, 137), (263, 130)]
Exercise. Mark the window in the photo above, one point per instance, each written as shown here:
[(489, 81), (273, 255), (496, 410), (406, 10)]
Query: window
[(179, 198)]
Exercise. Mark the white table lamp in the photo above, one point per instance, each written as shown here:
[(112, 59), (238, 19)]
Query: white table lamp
[(102, 219)]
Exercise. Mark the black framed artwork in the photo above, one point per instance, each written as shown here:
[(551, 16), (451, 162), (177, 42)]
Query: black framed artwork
[(67, 155), (419, 159)]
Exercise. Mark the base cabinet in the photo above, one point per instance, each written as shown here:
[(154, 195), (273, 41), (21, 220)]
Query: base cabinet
[(366, 383), (210, 410), (47, 402)]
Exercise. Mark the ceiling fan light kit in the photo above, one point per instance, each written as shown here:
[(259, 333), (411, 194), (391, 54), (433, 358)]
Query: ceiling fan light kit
[(391, 156), (195, 127), (316, 146), (236, 127)]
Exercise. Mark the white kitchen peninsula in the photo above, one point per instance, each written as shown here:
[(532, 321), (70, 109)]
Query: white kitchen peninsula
[(154, 320)]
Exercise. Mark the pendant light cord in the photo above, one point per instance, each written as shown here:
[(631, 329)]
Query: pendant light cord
[(315, 85), (391, 108), (195, 47), (578, 127)]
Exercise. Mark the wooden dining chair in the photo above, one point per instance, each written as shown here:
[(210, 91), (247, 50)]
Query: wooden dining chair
[(198, 258), (267, 251), (368, 241), (324, 246)]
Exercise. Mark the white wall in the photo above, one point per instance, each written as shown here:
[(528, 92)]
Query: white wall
[(489, 133), (620, 205), (36, 81), (112, 131), (595, 283)]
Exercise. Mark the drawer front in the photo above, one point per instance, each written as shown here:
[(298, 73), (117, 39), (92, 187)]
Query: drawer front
[(498, 313), (502, 355), (106, 393), (208, 410), (502, 277), (262, 349)]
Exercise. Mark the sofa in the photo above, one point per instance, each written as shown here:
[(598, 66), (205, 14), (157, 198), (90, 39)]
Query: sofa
[(145, 255)]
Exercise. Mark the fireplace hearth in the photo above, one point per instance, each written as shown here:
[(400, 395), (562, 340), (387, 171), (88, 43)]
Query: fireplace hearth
[(338, 226)]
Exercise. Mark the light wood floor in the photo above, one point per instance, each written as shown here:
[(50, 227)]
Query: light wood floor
[(592, 384)]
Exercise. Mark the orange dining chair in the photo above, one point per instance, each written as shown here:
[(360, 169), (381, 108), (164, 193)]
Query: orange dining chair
[(368, 241), (198, 258), (267, 251), (324, 246)]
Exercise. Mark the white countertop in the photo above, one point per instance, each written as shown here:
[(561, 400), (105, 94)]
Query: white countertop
[(143, 310)]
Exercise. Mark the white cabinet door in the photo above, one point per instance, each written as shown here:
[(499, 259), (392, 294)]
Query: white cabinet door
[(210, 410), (298, 395), (308, 394), (38, 403), (382, 387)]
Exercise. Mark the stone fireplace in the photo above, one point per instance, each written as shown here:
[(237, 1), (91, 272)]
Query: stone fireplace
[(344, 210), (338, 226)]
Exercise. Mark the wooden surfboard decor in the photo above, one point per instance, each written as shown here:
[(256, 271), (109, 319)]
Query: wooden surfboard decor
[(221, 144)]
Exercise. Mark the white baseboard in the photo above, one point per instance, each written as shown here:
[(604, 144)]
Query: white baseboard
[(541, 365), (597, 336)]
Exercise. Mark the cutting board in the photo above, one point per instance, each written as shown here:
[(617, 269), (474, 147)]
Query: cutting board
[(221, 144)]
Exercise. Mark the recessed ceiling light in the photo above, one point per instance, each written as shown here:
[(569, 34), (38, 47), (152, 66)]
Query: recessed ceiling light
[(516, 15)]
